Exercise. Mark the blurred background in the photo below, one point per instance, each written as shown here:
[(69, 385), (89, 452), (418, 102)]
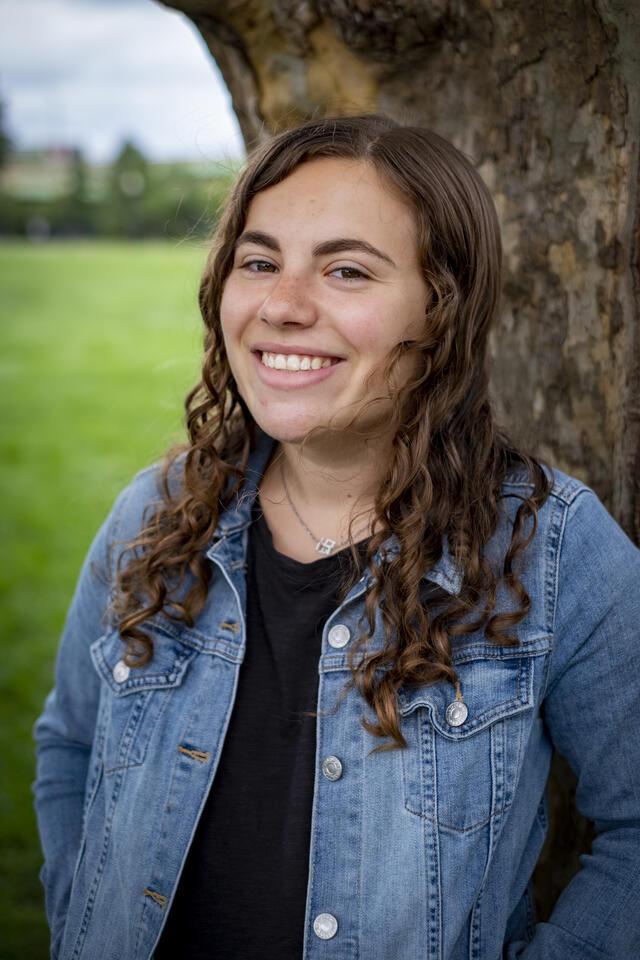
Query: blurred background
[(118, 142), (117, 145)]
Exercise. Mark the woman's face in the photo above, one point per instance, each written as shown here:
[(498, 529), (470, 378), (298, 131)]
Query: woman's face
[(325, 281)]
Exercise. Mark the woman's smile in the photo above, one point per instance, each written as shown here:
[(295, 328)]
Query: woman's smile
[(293, 371)]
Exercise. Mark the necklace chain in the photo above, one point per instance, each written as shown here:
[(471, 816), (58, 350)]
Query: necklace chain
[(324, 545)]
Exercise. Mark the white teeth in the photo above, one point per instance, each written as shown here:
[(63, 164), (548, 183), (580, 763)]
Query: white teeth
[(294, 361)]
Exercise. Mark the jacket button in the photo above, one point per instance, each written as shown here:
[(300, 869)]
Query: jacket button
[(121, 671), (339, 635), (456, 713), (325, 926), (332, 768)]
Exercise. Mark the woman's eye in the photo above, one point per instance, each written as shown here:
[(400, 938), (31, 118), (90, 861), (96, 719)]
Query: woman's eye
[(353, 273), (250, 264)]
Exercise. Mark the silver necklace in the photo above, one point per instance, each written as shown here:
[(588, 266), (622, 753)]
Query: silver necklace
[(324, 545)]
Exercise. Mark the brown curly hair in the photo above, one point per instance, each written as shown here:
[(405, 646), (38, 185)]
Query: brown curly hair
[(448, 460)]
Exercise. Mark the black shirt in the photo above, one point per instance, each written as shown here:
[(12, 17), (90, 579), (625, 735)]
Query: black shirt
[(242, 893)]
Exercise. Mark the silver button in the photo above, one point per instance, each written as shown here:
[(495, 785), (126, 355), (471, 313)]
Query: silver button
[(325, 926), (332, 768), (456, 713), (339, 635), (121, 671)]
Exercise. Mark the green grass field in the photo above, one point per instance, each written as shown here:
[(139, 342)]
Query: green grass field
[(100, 343)]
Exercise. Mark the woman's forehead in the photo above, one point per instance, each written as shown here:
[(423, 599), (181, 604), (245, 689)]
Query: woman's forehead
[(335, 194)]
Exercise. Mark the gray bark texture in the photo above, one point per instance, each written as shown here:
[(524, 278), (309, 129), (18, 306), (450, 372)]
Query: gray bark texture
[(545, 99)]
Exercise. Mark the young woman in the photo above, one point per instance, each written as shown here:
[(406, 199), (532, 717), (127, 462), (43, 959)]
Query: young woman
[(316, 665)]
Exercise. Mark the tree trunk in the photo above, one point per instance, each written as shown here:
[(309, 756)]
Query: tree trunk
[(545, 98)]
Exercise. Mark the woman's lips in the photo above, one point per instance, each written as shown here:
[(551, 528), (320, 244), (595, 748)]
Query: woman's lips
[(292, 379)]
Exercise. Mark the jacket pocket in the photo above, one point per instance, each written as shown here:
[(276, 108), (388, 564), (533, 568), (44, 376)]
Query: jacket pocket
[(461, 774), (134, 698)]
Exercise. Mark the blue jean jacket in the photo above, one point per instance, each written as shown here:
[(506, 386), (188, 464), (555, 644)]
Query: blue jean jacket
[(424, 853)]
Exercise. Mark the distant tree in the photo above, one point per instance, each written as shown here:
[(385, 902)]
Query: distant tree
[(130, 170), (5, 141), (78, 176), (128, 184), (73, 214)]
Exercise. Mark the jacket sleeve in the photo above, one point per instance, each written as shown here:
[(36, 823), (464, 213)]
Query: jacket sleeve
[(64, 731), (592, 711)]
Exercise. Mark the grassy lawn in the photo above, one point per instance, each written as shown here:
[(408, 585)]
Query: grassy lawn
[(100, 343)]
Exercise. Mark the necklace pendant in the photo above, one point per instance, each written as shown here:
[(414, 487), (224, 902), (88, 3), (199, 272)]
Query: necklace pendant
[(325, 546)]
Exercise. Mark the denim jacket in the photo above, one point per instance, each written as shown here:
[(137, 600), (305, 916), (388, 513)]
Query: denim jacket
[(424, 853)]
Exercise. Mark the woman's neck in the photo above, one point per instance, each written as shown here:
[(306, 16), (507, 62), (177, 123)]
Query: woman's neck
[(312, 492)]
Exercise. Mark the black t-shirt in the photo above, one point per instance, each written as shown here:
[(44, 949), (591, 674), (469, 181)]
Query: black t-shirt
[(242, 893)]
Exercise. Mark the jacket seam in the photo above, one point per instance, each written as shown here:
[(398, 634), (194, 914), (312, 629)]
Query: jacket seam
[(548, 683)]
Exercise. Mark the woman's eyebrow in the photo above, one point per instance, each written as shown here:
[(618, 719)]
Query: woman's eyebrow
[(339, 245)]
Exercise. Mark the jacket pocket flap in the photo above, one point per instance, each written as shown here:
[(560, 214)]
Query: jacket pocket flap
[(167, 668), (493, 687)]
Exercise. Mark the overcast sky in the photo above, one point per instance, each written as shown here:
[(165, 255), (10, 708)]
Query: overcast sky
[(90, 73)]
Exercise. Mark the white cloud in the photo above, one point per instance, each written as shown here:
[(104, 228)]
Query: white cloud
[(91, 72)]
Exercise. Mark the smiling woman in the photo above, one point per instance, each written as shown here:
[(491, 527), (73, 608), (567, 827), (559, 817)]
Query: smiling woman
[(318, 661)]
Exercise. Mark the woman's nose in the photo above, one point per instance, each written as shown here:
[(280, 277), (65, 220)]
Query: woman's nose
[(289, 303)]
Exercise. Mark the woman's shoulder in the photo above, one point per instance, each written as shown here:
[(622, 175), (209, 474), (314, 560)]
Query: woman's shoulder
[(570, 508), (563, 487), (553, 509), (572, 522), (577, 539)]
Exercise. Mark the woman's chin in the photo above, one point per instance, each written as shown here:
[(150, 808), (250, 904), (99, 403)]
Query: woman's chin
[(290, 433), (318, 431), (293, 429)]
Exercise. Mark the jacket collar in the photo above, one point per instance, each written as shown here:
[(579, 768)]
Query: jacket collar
[(237, 517)]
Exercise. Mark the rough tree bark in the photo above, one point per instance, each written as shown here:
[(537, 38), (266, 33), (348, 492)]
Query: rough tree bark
[(545, 98)]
